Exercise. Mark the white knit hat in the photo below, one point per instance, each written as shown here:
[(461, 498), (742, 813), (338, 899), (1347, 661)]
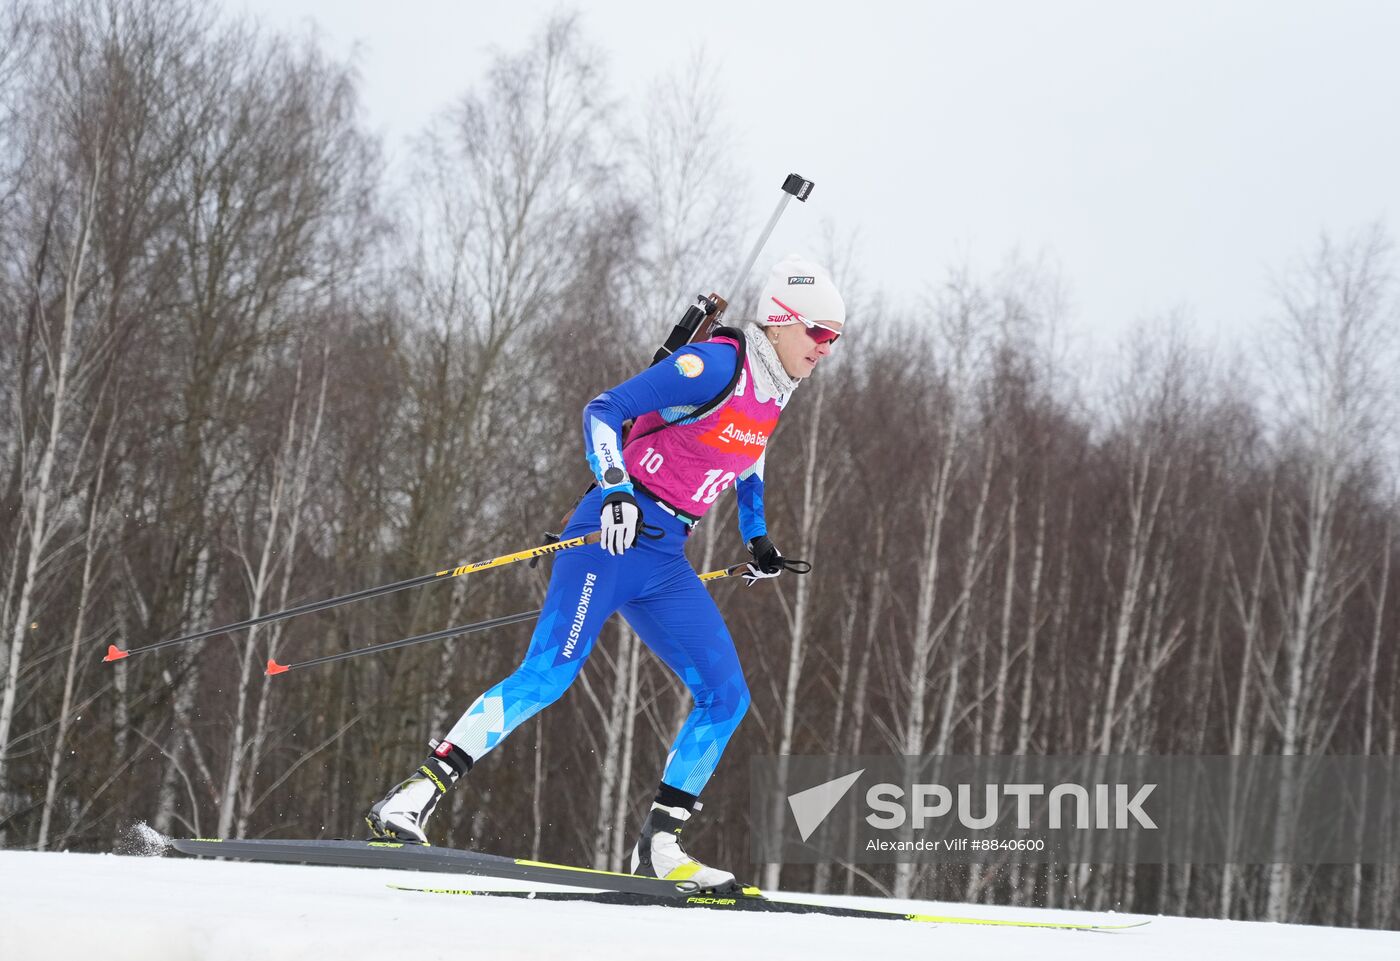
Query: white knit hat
[(797, 285)]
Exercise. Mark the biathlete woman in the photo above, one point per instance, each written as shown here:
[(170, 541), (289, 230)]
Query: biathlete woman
[(703, 417)]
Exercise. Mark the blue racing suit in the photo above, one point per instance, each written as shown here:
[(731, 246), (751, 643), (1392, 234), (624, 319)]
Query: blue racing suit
[(652, 584)]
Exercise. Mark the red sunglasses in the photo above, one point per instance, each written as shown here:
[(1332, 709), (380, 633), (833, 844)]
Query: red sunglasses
[(819, 333)]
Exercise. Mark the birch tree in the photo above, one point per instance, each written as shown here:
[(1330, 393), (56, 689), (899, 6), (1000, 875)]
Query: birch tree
[(820, 478), (1335, 333), (279, 524), (67, 355), (961, 310)]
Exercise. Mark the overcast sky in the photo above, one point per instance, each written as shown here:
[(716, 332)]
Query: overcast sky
[(1164, 155)]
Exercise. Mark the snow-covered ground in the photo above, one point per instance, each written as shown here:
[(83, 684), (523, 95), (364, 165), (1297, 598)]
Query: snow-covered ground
[(110, 908)]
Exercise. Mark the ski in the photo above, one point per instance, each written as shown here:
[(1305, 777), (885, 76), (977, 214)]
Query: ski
[(759, 903), (424, 857), (613, 887)]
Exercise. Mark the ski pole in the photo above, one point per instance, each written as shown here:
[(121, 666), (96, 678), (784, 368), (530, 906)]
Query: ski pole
[(273, 668), (115, 653)]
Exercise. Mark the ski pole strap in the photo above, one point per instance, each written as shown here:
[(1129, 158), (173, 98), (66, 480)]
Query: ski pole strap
[(796, 566)]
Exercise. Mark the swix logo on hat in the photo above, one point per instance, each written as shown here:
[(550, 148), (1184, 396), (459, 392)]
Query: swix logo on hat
[(737, 431), (790, 317)]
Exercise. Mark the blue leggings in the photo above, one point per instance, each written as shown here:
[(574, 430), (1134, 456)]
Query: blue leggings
[(661, 596)]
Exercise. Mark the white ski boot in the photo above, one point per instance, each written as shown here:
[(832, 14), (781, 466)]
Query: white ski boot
[(402, 814), (659, 854)]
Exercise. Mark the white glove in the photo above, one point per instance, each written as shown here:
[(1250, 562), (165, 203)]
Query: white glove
[(620, 519), (754, 575)]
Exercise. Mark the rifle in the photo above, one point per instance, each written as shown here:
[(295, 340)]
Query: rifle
[(703, 316)]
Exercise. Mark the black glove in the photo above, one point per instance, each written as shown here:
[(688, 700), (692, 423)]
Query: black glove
[(767, 562)]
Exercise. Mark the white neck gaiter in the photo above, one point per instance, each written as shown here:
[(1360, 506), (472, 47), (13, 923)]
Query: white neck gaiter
[(770, 377)]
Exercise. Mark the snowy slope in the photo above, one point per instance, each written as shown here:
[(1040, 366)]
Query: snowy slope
[(166, 908)]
